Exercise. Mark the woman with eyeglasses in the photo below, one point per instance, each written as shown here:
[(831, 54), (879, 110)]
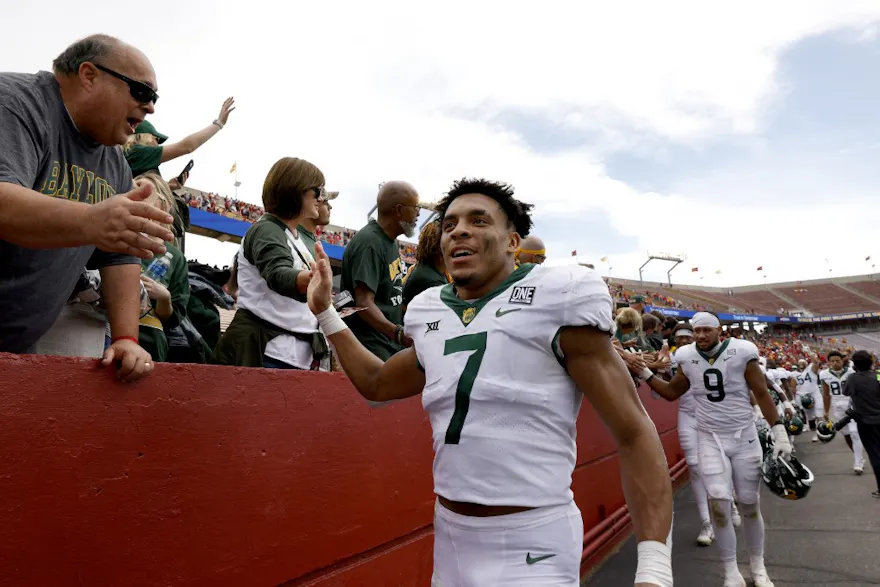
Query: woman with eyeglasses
[(273, 326)]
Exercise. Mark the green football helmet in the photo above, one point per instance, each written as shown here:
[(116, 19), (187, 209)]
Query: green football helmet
[(807, 401), (788, 479), (765, 438), (825, 431), (795, 425)]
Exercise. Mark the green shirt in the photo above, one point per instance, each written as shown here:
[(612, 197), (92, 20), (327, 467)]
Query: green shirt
[(265, 246), (151, 332), (420, 278), (308, 237), (372, 258), (143, 158)]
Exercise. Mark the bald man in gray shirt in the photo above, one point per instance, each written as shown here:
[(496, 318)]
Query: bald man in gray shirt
[(61, 168)]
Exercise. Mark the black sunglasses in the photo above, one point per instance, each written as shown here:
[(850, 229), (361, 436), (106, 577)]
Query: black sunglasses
[(138, 90)]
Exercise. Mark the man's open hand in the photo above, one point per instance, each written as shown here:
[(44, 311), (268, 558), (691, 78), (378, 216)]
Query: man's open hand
[(126, 224), (134, 361), (226, 109)]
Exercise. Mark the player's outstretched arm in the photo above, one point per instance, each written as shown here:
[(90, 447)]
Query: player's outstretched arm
[(601, 375), (377, 381), (669, 390)]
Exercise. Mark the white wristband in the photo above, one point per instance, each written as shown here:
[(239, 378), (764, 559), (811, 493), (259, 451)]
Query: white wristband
[(655, 563), (646, 373), (330, 322)]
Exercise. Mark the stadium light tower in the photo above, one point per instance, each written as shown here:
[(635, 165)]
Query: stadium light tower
[(677, 259)]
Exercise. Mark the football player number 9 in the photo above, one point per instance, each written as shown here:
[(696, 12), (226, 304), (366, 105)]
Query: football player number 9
[(714, 382)]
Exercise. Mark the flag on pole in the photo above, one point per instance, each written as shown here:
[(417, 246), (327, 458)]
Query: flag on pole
[(718, 272), (574, 253), (761, 268), (234, 165), (868, 258), (604, 259), (694, 269)]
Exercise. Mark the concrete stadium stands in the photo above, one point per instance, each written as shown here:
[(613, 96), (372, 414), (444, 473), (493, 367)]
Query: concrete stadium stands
[(815, 297), (865, 341)]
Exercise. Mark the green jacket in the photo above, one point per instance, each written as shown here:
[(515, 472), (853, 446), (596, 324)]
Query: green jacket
[(265, 246)]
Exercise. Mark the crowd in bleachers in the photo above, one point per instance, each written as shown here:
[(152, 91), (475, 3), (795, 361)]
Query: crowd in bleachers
[(229, 207), (625, 295), (238, 210), (812, 299)]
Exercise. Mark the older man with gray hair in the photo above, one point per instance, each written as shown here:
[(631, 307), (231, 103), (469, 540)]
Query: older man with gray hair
[(61, 169)]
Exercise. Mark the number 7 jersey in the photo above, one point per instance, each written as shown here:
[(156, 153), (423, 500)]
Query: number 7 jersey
[(503, 409), (718, 383)]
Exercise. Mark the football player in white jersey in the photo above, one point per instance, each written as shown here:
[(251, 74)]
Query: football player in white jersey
[(502, 358), (806, 380), (683, 335), (721, 375), (836, 405)]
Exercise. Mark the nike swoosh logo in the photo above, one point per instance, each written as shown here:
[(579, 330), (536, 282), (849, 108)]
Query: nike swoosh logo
[(537, 559), (751, 441), (501, 312)]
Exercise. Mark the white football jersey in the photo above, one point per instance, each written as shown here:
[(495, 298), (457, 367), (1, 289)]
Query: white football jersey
[(686, 403), (503, 409), (778, 375), (807, 381), (835, 385), (718, 384)]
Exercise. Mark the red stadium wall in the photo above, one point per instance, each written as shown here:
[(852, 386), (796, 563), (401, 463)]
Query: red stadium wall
[(221, 476)]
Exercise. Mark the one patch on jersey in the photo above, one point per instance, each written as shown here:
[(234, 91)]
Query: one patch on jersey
[(432, 326), (731, 351), (522, 294), (468, 315)]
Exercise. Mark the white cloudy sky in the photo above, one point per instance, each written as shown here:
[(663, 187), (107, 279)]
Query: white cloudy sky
[(738, 133)]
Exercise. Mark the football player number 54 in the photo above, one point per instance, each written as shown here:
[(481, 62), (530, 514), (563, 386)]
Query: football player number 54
[(714, 382), (476, 344)]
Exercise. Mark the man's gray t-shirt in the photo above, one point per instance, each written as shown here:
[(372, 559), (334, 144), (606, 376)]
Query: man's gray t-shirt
[(41, 149)]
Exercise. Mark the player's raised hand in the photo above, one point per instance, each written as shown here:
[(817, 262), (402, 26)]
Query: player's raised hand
[(320, 291), (126, 224)]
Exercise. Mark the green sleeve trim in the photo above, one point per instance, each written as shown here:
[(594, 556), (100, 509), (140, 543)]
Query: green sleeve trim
[(265, 246)]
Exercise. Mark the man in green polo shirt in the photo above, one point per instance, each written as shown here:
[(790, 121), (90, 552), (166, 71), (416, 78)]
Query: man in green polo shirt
[(373, 272)]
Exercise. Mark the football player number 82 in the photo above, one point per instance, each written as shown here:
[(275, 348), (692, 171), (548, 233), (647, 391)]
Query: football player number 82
[(476, 344), (714, 384)]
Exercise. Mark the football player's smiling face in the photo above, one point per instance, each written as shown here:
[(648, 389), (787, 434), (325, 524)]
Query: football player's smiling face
[(476, 240)]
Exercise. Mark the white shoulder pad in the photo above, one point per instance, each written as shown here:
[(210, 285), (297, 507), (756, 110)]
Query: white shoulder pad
[(581, 296), (748, 349)]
